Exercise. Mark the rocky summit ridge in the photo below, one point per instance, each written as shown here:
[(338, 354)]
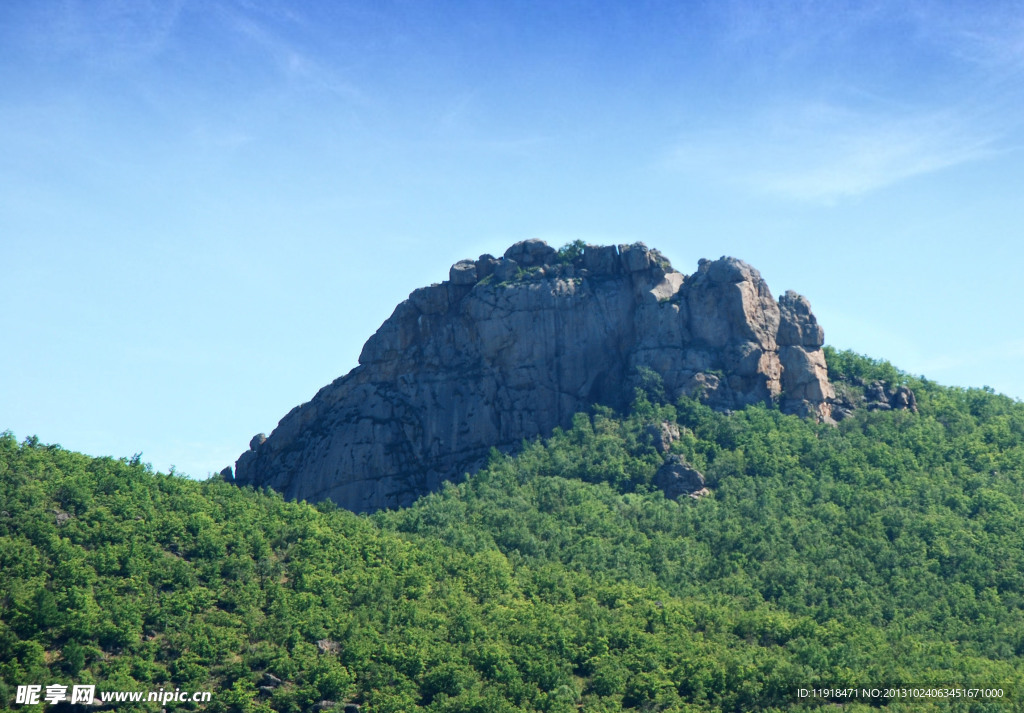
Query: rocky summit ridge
[(509, 348)]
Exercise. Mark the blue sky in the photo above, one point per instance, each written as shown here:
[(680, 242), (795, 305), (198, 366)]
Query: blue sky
[(207, 207)]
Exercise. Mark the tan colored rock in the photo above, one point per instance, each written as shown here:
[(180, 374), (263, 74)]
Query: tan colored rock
[(807, 391), (798, 326)]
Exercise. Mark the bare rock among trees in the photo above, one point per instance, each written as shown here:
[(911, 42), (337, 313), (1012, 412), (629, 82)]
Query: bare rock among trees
[(677, 478), (509, 348)]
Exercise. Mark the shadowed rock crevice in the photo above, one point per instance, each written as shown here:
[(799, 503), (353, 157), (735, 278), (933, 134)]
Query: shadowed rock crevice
[(509, 348)]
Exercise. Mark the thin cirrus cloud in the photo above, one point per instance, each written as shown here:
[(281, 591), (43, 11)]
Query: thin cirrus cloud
[(820, 153), (848, 103), (299, 67)]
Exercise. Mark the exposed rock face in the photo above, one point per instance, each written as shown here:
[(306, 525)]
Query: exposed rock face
[(662, 435), (877, 396), (881, 396), (677, 478), (509, 348)]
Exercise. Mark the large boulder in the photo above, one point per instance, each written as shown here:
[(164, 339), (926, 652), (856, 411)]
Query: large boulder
[(509, 348), (677, 478)]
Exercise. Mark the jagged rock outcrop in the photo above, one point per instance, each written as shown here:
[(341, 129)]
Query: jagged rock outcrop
[(509, 348), (874, 396)]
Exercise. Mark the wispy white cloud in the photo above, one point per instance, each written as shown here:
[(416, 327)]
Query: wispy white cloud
[(296, 63), (818, 152), (992, 40), (799, 30), (938, 87)]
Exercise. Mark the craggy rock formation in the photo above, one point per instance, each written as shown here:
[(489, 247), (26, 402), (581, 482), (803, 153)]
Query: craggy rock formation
[(509, 348), (877, 396)]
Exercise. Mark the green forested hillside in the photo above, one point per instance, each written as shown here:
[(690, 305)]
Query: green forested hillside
[(887, 551)]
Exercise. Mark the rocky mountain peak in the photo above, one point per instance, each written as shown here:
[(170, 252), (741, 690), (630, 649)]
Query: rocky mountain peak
[(509, 348)]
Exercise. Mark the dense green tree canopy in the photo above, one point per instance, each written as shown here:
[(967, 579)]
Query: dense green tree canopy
[(887, 551)]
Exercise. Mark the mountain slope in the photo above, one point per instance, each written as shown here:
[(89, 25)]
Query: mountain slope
[(887, 551)]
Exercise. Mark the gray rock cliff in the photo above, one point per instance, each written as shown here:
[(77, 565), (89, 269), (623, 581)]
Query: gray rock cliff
[(509, 348)]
